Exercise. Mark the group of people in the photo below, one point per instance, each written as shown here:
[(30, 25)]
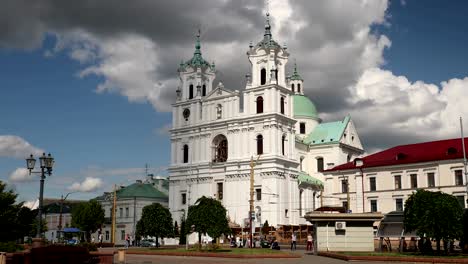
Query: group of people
[(310, 242)]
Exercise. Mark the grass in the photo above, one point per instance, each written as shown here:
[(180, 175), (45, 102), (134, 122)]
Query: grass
[(239, 251), (395, 254)]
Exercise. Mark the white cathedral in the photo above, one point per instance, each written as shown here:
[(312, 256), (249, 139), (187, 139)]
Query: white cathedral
[(216, 131)]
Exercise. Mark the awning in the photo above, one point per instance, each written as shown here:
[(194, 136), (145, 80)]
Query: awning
[(307, 181)]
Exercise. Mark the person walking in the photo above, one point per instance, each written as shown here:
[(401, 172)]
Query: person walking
[(293, 241), (310, 242)]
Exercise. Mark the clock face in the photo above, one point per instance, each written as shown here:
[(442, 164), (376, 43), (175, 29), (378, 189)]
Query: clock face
[(186, 113)]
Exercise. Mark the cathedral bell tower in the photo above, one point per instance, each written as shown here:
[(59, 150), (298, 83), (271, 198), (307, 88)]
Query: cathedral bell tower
[(268, 60), (196, 80), (295, 82)]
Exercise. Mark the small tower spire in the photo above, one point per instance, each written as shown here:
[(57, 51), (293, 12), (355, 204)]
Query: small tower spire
[(267, 35), (197, 44)]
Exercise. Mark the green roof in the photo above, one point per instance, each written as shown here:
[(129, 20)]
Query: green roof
[(296, 75), (303, 107), (326, 133), (307, 180), (145, 190), (197, 59)]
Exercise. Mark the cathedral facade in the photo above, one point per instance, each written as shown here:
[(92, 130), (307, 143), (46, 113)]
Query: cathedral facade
[(215, 135)]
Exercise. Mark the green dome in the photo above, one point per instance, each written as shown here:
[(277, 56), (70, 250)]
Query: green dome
[(303, 107)]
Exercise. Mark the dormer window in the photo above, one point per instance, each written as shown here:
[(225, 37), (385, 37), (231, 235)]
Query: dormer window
[(451, 151), (400, 156), (292, 87), (298, 87), (358, 162), (263, 76)]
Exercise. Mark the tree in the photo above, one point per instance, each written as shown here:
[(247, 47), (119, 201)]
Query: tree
[(15, 220), (176, 229), (88, 216), (208, 216), (156, 220), (266, 228), (433, 215), (183, 232)]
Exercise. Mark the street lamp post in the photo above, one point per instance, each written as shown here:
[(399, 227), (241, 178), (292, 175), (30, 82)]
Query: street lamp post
[(62, 200), (46, 164), (251, 201)]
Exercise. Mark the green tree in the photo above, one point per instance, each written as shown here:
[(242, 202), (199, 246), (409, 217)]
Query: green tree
[(183, 232), (15, 220), (266, 228), (433, 215), (208, 216), (176, 229), (156, 220), (88, 216)]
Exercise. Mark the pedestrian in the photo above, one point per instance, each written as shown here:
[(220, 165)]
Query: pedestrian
[(293, 241), (127, 240), (310, 242), (100, 239)]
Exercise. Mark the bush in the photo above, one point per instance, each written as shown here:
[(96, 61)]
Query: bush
[(213, 247), (89, 246), (10, 247)]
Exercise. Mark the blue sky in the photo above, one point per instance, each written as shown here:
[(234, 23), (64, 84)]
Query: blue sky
[(51, 100)]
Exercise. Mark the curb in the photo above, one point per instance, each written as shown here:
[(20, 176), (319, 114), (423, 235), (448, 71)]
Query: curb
[(395, 259), (216, 255)]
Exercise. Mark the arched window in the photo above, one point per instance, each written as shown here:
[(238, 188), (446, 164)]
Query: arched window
[(282, 105), (191, 91), (292, 87), (283, 141), (262, 76), (220, 148), (185, 153), (259, 144), (298, 87), (204, 90), (320, 164), (219, 111), (259, 105)]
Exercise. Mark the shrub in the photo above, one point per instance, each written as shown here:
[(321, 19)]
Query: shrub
[(10, 247), (89, 246), (213, 247)]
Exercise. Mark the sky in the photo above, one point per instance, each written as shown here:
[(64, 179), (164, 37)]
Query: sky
[(92, 82)]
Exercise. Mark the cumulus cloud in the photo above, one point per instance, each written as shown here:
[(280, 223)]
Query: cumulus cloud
[(21, 175), (136, 52), (88, 185), (16, 147), (31, 204)]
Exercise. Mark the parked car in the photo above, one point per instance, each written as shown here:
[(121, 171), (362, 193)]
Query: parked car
[(147, 243), (265, 243)]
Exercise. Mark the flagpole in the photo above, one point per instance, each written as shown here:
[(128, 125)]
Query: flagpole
[(464, 156)]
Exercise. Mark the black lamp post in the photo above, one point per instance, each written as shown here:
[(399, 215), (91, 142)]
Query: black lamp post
[(46, 164)]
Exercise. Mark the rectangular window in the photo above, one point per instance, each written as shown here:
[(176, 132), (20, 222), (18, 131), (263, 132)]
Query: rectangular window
[(344, 186), (107, 235), (110, 212), (302, 129), (345, 205), (459, 177), (319, 164), (461, 201), (122, 234), (258, 193), (414, 180), (220, 190), (399, 204), (373, 205), (430, 179), (397, 182), (127, 212), (121, 212), (184, 198), (372, 184), (286, 213)]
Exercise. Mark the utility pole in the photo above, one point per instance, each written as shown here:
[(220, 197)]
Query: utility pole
[(251, 201), (464, 156), (114, 202)]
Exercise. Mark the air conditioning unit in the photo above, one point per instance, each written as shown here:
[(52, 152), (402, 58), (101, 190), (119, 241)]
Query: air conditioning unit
[(340, 225)]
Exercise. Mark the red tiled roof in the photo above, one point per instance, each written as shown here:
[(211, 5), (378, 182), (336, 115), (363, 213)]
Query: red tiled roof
[(413, 153)]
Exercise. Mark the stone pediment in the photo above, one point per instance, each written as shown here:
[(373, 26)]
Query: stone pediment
[(219, 92)]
